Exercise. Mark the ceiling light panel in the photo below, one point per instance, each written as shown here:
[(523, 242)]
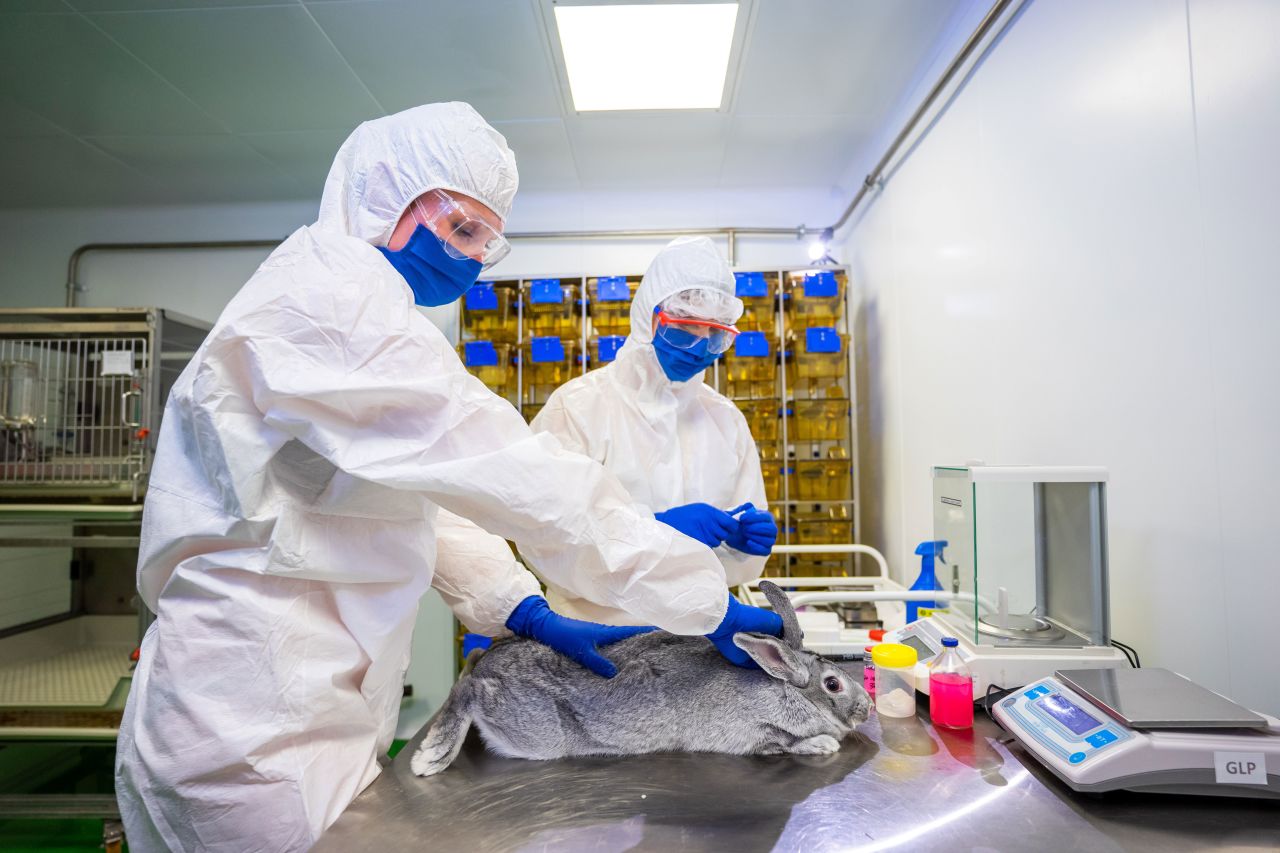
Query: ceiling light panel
[(647, 57)]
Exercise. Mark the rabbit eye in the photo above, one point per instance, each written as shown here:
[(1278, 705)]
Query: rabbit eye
[(832, 684)]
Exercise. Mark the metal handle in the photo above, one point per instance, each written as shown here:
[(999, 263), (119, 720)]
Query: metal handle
[(849, 548), (124, 408)]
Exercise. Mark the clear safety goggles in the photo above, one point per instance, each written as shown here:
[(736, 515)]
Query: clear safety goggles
[(464, 236), (687, 333)]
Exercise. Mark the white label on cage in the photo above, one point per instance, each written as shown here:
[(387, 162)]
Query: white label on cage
[(117, 362)]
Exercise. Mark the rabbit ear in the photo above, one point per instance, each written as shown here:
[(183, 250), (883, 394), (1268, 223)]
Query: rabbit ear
[(775, 657), (791, 632)]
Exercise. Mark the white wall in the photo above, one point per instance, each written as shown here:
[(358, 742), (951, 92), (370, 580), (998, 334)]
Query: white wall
[(1077, 265)]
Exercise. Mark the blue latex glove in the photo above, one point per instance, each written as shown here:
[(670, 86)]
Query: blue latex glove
[(743, 617), (703, 522), (534, 618), (756, 533)]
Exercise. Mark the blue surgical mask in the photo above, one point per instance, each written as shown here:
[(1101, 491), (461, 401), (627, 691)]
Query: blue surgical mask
[(681, 365), (433, 276)]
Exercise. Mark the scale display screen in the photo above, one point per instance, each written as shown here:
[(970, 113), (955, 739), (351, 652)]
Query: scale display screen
[(923, 652), (1068, 713)]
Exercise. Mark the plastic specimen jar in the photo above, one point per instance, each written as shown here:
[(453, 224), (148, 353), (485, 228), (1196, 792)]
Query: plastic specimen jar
[(895, 679)]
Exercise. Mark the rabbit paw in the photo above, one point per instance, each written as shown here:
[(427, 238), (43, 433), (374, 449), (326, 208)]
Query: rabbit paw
[(431, 758), (816, 745)]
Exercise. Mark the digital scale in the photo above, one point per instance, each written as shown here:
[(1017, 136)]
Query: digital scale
[(1146, 730), (1023, 567)]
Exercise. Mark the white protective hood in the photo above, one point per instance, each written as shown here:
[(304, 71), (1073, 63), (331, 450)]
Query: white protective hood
[(387, 163), (686, 263), (323, 444)]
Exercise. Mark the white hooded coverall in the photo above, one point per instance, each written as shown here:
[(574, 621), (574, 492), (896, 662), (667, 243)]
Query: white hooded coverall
[(294, 512), (670, 443)]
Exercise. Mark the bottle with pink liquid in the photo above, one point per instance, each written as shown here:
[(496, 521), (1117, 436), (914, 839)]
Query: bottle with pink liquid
[(950, 688)]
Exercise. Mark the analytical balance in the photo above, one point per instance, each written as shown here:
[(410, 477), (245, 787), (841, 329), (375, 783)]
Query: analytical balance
[(1144, 730), (1024, 574)]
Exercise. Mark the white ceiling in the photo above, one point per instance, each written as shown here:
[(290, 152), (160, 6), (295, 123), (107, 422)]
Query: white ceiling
[(128, 102)]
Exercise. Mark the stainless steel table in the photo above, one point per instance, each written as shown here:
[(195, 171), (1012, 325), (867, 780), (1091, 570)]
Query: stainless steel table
[(897, 785)]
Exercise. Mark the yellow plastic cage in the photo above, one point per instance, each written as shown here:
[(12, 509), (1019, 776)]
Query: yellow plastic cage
[(610, 304), (815, 298), (492, 363), (490, 312), (552, 309)]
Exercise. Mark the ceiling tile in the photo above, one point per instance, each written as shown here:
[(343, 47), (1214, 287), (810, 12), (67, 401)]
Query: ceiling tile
[(167, 5), (542, 152), (305, 155), (62, 68), (59, 171), (800, 152), (17, 120), (213, 168), (254, 68), (648, 151), (492, 54), (836, 56)]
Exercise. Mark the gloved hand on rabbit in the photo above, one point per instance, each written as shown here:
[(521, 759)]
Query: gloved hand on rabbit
[(581, 641), (574, 638)]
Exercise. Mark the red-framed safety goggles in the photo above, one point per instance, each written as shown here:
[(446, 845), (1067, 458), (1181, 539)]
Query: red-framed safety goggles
[(687, 333)]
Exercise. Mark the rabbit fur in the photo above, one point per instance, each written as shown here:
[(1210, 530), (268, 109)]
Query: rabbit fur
[(671, 694)]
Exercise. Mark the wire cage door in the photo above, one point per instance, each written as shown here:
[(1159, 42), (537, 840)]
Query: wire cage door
[(74, 413)]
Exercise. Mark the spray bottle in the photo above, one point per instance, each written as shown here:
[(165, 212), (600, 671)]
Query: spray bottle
[(927, 580)]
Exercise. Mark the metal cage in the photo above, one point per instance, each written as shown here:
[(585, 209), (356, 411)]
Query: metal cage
[(81, 393)]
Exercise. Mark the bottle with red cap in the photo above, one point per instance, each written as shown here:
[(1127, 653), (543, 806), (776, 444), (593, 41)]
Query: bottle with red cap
[(869, 668)]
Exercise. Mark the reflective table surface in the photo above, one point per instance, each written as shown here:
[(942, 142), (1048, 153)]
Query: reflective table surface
[(896, 785)]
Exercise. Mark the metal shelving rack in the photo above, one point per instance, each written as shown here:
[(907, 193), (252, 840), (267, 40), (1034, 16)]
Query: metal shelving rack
[(789, 449)]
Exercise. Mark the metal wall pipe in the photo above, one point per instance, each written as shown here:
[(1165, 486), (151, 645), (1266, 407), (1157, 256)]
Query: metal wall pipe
[(73, 265), (985, 28)]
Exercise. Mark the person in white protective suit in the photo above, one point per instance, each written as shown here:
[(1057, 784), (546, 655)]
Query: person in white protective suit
[(679, 447), (323, 460)]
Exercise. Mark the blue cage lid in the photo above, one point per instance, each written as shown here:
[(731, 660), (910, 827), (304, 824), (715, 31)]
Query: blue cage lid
[(821, 339), (479, 354), (612, 288), (609, 345), (750, 284), (546, 290), (546, 349), (481, 297), (821, 283), (751, 345)]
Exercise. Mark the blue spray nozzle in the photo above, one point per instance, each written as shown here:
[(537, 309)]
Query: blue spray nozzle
[(931, 549)]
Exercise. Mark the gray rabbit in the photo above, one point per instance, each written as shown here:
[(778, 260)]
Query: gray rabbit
[(671, 694)]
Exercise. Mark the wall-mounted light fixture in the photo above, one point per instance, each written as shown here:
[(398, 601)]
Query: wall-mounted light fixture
[(820, 247)]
